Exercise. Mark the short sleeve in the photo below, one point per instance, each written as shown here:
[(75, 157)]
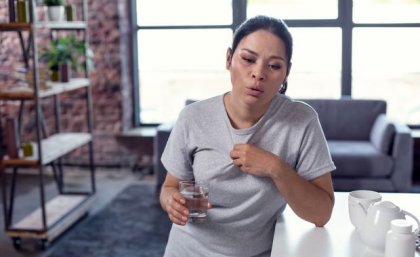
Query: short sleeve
[(175, 157), (314, 156)]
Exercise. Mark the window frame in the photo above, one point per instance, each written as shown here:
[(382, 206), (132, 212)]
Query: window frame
[(344, 21)]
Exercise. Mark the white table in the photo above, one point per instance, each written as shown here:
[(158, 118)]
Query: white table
[(295, 237)]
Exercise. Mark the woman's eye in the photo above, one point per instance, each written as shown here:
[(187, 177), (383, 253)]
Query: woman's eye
[(274, 66), (249, 60)]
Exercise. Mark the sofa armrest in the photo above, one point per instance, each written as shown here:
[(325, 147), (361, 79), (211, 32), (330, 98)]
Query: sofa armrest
[(159, 143), (382, 134), (402, 153)]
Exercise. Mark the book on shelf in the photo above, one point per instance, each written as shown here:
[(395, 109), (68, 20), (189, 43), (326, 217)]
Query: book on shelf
[(12, 15), (25, 77), (22, 11)]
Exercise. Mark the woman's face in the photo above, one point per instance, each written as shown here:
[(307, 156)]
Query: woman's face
[(257, 68)]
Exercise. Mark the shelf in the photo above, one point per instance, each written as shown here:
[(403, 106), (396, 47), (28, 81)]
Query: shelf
[(53, 147), (146, 132), (64, 25), (26, 93), (15, 26), (61, 212)]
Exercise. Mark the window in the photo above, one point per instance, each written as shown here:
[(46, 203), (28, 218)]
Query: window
[(184, 12), (294, 9), (386, 11), (386, 55), (185, 64), (181, 55), (357, 48), (386, 65), (316, 71)]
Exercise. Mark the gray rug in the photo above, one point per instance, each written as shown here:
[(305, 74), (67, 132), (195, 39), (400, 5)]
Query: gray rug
[(133, 224)]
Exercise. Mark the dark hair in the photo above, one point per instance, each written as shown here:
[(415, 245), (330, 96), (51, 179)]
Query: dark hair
[(273, 25)]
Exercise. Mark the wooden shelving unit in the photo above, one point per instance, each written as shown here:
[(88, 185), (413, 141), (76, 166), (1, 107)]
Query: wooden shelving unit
[(52, 218)]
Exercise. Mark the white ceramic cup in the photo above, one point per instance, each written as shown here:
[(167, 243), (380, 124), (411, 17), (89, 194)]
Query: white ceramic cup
[(366, 198)]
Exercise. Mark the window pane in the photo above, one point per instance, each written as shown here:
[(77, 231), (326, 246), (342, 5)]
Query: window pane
[(184, 12), (175, 65), (386, 11), (386, 66), (294, 9), (316, 69)]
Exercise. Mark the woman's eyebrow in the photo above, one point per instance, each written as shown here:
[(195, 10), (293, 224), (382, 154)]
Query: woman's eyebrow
[(255, 53)]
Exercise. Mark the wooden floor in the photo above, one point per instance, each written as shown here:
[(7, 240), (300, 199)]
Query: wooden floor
[(109, 183)]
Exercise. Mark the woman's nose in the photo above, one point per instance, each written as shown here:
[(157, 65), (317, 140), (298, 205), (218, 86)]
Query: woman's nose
[(258, 73)]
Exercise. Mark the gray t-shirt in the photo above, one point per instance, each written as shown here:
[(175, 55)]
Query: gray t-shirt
[(245, 207)]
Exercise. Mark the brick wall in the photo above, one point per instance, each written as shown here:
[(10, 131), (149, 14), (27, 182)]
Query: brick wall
[(109, 31)]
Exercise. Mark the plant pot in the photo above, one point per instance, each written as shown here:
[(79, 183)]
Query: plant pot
[(54, 76), (56, 13)]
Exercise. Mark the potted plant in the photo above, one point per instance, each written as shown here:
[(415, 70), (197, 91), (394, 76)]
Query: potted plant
[(63, 55), (55, 9)]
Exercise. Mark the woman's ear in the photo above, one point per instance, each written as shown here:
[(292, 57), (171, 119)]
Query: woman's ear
[(228, 58), (287, 72), (288, 69)]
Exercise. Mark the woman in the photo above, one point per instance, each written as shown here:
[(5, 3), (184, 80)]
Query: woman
[(256, 148)]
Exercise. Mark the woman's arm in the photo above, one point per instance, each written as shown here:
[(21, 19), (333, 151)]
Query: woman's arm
[(311, 200)]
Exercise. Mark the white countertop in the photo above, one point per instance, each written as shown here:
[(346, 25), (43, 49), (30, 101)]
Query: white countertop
[(295, 237)]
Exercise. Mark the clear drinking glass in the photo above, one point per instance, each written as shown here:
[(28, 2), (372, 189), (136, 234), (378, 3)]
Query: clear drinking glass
[(196, 194)]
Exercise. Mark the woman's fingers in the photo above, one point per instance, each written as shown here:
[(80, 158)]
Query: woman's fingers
[(179, 220), (176, 209)]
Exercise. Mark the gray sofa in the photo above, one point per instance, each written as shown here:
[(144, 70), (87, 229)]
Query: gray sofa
[(369, 150)]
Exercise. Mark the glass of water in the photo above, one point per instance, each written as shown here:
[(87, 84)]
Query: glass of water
[(196, 195)]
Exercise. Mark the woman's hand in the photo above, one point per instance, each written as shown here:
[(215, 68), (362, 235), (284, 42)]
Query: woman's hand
[(174, 205), (173, 202), (254, 160)]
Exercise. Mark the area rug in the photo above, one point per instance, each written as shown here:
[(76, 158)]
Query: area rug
[(133, 224)]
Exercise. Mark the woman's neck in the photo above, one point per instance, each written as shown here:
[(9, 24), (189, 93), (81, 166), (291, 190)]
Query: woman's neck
[(242, 116)]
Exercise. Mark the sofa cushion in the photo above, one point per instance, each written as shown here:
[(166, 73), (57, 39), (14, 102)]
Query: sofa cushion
[(359, 159), (382, 134), (347, 119)]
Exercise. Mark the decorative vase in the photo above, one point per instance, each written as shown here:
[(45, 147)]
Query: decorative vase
[(70, 12), (56, 13), (64, 71)]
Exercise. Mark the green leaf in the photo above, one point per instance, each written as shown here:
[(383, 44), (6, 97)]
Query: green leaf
[(65, 49)]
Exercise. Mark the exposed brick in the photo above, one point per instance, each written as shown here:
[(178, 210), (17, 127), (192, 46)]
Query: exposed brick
[(104, 40)]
